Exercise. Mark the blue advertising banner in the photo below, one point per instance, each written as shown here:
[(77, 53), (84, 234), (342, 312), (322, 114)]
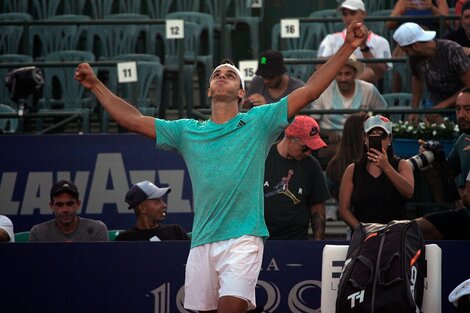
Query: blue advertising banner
[(103, 166), (148, 277)]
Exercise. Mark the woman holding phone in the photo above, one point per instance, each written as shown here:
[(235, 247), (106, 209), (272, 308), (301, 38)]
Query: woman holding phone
[(375, 189)]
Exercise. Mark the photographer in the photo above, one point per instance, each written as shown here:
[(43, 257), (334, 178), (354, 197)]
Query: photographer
[(455, 223), (435, 189)]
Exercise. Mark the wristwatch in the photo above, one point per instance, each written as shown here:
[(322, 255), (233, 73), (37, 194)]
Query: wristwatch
[(366, 49)]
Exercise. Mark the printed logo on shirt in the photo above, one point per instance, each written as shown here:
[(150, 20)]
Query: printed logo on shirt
[(283, 188), (241, 123)]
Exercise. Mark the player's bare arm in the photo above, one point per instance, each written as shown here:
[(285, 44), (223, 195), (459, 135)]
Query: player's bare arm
[(323, 77), (122, 112)]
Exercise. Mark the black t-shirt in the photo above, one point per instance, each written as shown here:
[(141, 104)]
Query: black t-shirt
[(291, 187), (459, 37), (162, 232), (375, 199)]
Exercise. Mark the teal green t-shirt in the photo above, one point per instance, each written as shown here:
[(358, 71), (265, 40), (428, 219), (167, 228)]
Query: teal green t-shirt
[(226, 166)]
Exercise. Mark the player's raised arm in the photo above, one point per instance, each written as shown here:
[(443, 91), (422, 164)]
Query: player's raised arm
[(122, 112), (323, 77)]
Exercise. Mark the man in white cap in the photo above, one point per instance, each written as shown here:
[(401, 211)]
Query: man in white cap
[(440, 65), (294, 186), (6, 230), (146, 200), (225, 156), (345, 92), (375, 46)]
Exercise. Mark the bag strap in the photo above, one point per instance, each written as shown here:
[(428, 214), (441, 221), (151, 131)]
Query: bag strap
[(370, 266)]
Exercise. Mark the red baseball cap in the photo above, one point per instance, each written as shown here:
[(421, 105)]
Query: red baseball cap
[(306, 129)]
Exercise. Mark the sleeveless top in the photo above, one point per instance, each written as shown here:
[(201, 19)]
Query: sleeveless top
[(375, 199), (431, 24)]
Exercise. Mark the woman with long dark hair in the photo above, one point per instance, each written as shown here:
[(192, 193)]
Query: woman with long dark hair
[(349, 150), (375, 188)]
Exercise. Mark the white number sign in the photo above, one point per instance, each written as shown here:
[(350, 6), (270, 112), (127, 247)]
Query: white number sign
[(248, 69), (127, 72), (290, 28), (174, 29)]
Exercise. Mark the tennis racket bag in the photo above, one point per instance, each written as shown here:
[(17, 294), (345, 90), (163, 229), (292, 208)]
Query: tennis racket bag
[(384, 269)]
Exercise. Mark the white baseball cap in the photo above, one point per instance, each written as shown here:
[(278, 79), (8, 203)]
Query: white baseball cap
[(143, 191), (409, 33), (378, 121), (353, 5), (459, 291)]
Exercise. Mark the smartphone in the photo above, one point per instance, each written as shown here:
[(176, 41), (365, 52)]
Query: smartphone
[(375, 142)]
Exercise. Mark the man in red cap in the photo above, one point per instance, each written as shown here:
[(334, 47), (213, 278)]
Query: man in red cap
[(294, 186)]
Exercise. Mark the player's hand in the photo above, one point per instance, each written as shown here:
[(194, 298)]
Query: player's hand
[(357, 34), (85, 75)]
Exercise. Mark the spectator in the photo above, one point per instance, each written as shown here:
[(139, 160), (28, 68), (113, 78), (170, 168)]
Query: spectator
[(466, 194), (146, 200), (375, 188), (226, 157), (67, 226), (6, 230), (459, 6), (462, 34), (458, 160), (345, 92), (458, 11), (374, 47), (272, 82), (435, 189), (419, 8), (349, 150), (455, 224), (294, 187), (414, 8), (439, 64)]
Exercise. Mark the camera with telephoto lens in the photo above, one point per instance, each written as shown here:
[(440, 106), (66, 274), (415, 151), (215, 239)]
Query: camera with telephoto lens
[(433, 151)]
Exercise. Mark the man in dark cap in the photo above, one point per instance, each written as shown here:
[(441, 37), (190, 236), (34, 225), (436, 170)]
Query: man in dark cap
[(272, 82), (67, 226), (146, 200)]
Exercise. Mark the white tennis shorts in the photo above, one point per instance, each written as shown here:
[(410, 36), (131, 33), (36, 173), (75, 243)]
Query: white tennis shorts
[(224, 268)]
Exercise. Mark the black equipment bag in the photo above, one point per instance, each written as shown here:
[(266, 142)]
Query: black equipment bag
[(384, 269)]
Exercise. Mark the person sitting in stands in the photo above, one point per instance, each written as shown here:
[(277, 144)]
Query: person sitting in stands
[(419, 8), (146, 200), (67, 226), (6, 230), (375, 46), (349, 150), (272, 82), (375, 188), (345, 92), (462, 34), (440, 65)]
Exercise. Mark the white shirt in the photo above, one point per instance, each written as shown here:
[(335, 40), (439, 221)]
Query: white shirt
[(366, 96), (379, 46), (7, 225)]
